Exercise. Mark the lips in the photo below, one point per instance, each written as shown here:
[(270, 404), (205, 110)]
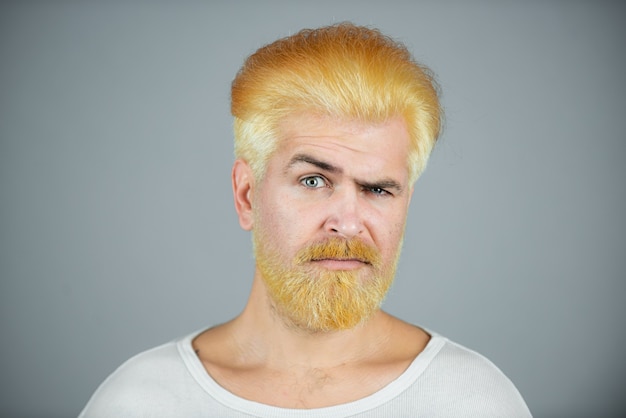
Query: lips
[(339, 254), (340, 264), (356, 260)]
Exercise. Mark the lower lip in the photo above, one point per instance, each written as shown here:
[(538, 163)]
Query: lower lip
[(340, 264)]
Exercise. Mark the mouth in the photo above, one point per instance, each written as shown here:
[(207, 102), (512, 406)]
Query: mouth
[(341, 263), (338, 254)]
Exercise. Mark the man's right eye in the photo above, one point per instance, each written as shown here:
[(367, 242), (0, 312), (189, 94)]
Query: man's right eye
[(313, 182)]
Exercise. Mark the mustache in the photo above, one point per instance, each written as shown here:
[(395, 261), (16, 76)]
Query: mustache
[(339, 249)]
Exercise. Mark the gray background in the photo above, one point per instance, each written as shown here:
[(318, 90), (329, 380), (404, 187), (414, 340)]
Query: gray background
[(117, 228)]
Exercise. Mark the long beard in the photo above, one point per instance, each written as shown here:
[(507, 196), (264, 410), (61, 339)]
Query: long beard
[(315, 299)]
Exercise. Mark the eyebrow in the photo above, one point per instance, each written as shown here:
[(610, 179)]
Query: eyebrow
[(322, 165), (385, 183)]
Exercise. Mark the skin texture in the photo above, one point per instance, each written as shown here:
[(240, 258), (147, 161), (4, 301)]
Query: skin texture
[(328, 179)]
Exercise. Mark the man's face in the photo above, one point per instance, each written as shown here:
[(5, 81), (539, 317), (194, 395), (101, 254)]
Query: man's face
[(329, 217)]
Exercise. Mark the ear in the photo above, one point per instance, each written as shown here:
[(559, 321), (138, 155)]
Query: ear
[(243, 183)]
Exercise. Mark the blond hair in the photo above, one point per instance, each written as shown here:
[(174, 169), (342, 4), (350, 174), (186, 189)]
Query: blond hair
[(343, 71)]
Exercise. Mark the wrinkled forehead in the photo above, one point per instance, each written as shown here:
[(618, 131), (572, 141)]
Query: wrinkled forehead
[(382, 146)]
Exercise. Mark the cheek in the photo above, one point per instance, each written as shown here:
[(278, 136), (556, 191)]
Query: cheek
[(390, 233), (278, 220), (392, 242)]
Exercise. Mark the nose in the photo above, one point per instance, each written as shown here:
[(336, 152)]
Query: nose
[(344, 214)]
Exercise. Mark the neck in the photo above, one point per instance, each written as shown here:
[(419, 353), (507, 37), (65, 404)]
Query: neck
[(264, 336)]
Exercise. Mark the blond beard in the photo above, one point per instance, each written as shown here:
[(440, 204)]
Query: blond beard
[(315, 299)]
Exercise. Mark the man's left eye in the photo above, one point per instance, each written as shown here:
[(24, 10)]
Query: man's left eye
[(377, 191), (313, 182)]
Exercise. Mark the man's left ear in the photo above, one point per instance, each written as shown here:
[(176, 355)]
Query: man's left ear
[(243, 183)]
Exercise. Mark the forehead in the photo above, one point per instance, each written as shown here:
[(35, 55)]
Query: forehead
[(360, 148), (313, 130)]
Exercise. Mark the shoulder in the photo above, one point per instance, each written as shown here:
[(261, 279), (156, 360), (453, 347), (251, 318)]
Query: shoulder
[(149, 381), (464, 362), (460, 380)]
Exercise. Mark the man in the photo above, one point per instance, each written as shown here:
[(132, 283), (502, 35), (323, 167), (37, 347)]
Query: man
[(332, 128)]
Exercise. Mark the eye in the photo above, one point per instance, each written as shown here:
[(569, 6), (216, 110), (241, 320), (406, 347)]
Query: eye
[(377, 190), (313, 182)]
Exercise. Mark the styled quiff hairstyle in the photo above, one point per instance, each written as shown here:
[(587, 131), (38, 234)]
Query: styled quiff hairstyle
[(341, 71)]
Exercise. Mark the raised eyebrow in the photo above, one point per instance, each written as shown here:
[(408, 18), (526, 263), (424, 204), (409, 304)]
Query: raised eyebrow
[(322, 165)]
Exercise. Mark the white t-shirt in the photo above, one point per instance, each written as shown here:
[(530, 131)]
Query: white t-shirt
[(444, 380)]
